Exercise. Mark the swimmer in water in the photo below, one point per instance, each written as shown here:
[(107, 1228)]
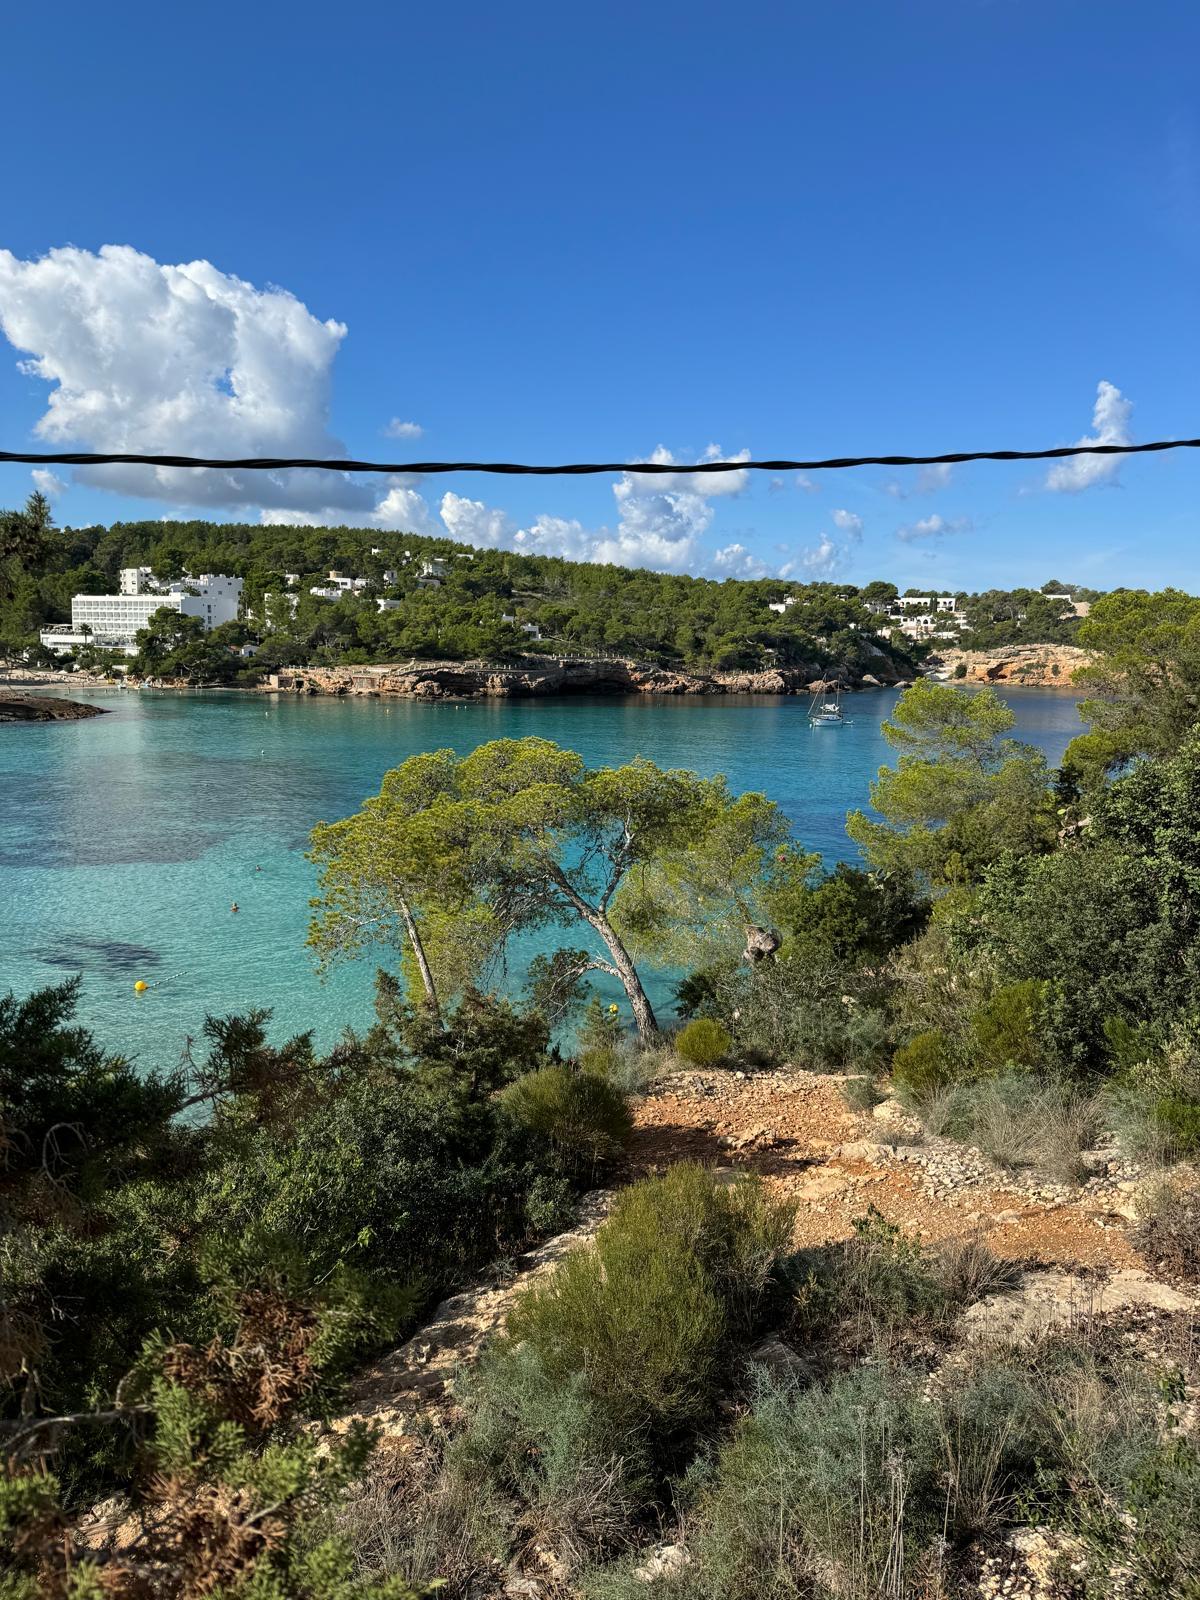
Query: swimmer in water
[(234, 906)]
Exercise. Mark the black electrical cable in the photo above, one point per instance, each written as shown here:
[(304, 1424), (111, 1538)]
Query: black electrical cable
[(580, 468)]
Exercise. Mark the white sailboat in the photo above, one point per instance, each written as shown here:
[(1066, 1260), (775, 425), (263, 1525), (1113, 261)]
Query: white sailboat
[(824, 711)]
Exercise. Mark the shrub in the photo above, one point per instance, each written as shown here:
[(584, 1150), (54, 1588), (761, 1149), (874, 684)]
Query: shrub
[(702, 993), (550, 1205), (703, 1042), (968, 1271), (578, 1474), (630, 1066), (1168, 1233), (861, 1093), (923, 1066), (679, 1270), (1179, 1119), (821, 1492), (819, 1015), (416, 1519), (862, 1289), (882, 1283), (584, 1119), (1004, 1028), (1019, 1121), (600, 1042)]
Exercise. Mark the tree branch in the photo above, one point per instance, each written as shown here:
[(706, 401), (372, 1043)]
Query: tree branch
[(71, 1419)]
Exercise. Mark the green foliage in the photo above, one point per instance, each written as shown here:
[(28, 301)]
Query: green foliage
[(581, 1472), (1021, 1119), (580, 608), (861, 1093), (822, 1018), (699, 901), (1147, 677), (880, 1481), (845, 918), (600, 1045), (810, 1494), (703, 1042), (1004, 1029), (581, 1116), (342, 1189), (679, 1272), (962, 794), (1104, 924), (172, 645), (483, 1043), (881, 1283), (68, 1110), (456, 855), (923, 1066)]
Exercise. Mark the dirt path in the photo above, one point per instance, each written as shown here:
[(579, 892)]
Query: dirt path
[(797, 1132)]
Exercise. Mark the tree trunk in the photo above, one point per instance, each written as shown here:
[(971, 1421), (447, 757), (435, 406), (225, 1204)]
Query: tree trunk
[(418, 950), (643, 1012)]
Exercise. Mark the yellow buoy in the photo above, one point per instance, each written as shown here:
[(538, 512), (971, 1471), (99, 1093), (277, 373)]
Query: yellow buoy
[(140, 986)]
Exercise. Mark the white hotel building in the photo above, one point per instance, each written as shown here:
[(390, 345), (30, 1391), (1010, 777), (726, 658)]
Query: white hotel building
[(111, 620)]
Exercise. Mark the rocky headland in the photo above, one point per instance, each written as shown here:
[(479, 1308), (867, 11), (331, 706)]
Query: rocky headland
[(551, 675), (16, 707), (1027, 666)]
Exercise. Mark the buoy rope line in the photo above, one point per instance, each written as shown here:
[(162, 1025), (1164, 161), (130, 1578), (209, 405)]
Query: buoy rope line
[(91, 458)]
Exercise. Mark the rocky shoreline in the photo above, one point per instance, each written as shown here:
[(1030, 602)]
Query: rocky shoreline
[(1026, 666), (474, 680), (43, 708)]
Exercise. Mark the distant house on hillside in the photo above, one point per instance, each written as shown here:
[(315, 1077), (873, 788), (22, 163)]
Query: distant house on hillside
[(431, 574)]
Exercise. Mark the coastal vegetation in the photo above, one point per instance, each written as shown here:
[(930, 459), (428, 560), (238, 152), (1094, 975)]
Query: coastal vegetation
[(196, 1262), (485, 604)]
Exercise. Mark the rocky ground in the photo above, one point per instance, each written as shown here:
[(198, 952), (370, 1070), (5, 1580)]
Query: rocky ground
[(795, 1130)]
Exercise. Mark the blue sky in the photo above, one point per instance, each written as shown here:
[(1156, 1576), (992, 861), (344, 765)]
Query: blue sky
[(555, 232)]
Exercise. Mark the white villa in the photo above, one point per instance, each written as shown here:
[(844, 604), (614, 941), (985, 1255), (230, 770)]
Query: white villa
[(111, 620)]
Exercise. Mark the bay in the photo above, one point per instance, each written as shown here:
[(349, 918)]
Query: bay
[(125, 839)]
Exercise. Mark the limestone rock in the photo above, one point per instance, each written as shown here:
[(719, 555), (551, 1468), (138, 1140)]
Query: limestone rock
[(1054, 1298), (664, 1561)]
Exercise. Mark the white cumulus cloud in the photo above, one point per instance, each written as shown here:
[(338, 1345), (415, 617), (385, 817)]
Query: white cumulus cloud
[(934, 527), (662, 519), (404, 507), (830, 553), (1110, 425), (928, 481), (178, 360), (47, 483), (471, 522), (735, 561), (142, 357)]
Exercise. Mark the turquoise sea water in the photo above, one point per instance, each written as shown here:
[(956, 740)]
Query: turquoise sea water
[(125, 838)]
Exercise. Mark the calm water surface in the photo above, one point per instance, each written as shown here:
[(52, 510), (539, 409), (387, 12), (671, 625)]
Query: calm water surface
[(124, 838)]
